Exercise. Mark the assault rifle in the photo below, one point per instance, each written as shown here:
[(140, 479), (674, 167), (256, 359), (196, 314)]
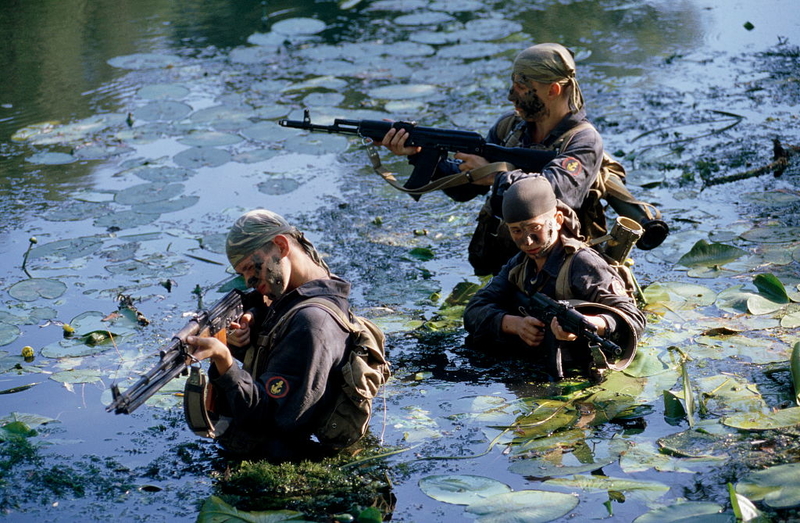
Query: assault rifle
[(545, 309), (436, 144), (174, 358)]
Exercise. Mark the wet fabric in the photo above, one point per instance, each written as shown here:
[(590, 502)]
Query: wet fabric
[(591, 280), (296, 384)]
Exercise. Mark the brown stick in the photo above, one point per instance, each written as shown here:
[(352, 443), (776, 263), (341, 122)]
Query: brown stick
[(777, 166)]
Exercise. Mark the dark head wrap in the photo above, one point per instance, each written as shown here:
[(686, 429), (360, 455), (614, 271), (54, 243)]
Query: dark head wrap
[(528, 198)]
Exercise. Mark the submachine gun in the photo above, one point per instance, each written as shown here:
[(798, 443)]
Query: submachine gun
[(436, 144), (544, 308), (174, 358)]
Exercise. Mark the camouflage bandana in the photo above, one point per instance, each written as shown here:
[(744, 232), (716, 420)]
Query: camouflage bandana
[(549, 63), (254, 229)]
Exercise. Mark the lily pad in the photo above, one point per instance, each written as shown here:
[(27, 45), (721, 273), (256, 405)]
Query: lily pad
[(586, 458), (8, 333), (35, 288), (298, 26), (776, 233), (215, 510), (163, 92), (704, 254), (72, 348), (197, 157), (166, 206), (77, 376), (531, 506), (425, 18), (687, 512), (771, 288), (209, 139), (318, 144), (795, 367), (69, 249), (650, 489), (51, 158), (764, 420), (125, 220), (148, 192), (144, 61), (777, 487), (277, 186), (74, 210), (461, 489), (162, 111)]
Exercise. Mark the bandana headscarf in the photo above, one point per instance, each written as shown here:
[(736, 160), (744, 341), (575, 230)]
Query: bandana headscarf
[(548, 63), (254, 229), (528, 198)]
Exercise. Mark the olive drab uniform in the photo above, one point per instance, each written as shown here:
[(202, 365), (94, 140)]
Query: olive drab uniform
[(313, 369)]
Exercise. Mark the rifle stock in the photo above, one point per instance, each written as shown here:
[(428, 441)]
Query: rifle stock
[(174, 358)]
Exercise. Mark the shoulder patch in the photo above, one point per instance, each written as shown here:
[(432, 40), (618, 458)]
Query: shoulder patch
[(572, 165), (277, 387), (618, 287)]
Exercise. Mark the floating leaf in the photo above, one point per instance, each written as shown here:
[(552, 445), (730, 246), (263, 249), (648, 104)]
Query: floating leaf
[(31, 420), (298, 26), (125, 220), (421, 253), (47, 158), (35, 288), (757, 304), (764, 420), (166, 206), (8, 333), (163, 92), (776, 233), (197, 157), (77, 376), (791, 321), (531, 506), (209, 138), (162, 110), (771, 288), (277, 186), (777, 487), (148, 192), (461, 489), (584, 458), (651, 489), (693, 443), (743, 508), (215, 510), (144, 61), (687, 512), (403, 92), (704, 254)]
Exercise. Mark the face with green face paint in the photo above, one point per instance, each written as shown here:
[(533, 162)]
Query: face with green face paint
[(264, 271)]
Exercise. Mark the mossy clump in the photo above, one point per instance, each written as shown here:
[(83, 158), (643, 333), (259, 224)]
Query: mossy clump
[(340, 484)]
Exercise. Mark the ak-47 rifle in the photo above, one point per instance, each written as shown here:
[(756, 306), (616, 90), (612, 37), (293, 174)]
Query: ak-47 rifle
[(174, 358), (544, 308), (436, 144)]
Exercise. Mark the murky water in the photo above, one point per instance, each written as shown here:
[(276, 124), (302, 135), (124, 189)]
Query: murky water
[(135, 208)]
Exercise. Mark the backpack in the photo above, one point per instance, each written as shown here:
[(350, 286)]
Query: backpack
[(364, 372)]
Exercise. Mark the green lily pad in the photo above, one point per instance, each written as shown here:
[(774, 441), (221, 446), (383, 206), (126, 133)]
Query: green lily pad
[(776, 233), (764, 420), (162, 111), (144, 61), (531, 506), (215, 510), (72, 348), (771, 288), (687, 512), (777, 487), (693, 443), (75, 210), (422, 253), (10, 361), (77, 376), (8, 333), (197, 157), (69, 249), (163, 174), (277, 186), (148, 192), (51, 158), (166, 206), (31, 420), (318, 144), (125, 220), (298, 26), (757, 304), (163, 92), (461, 489), (704, 254), (35, 288), (583, 458), (650, 489)]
